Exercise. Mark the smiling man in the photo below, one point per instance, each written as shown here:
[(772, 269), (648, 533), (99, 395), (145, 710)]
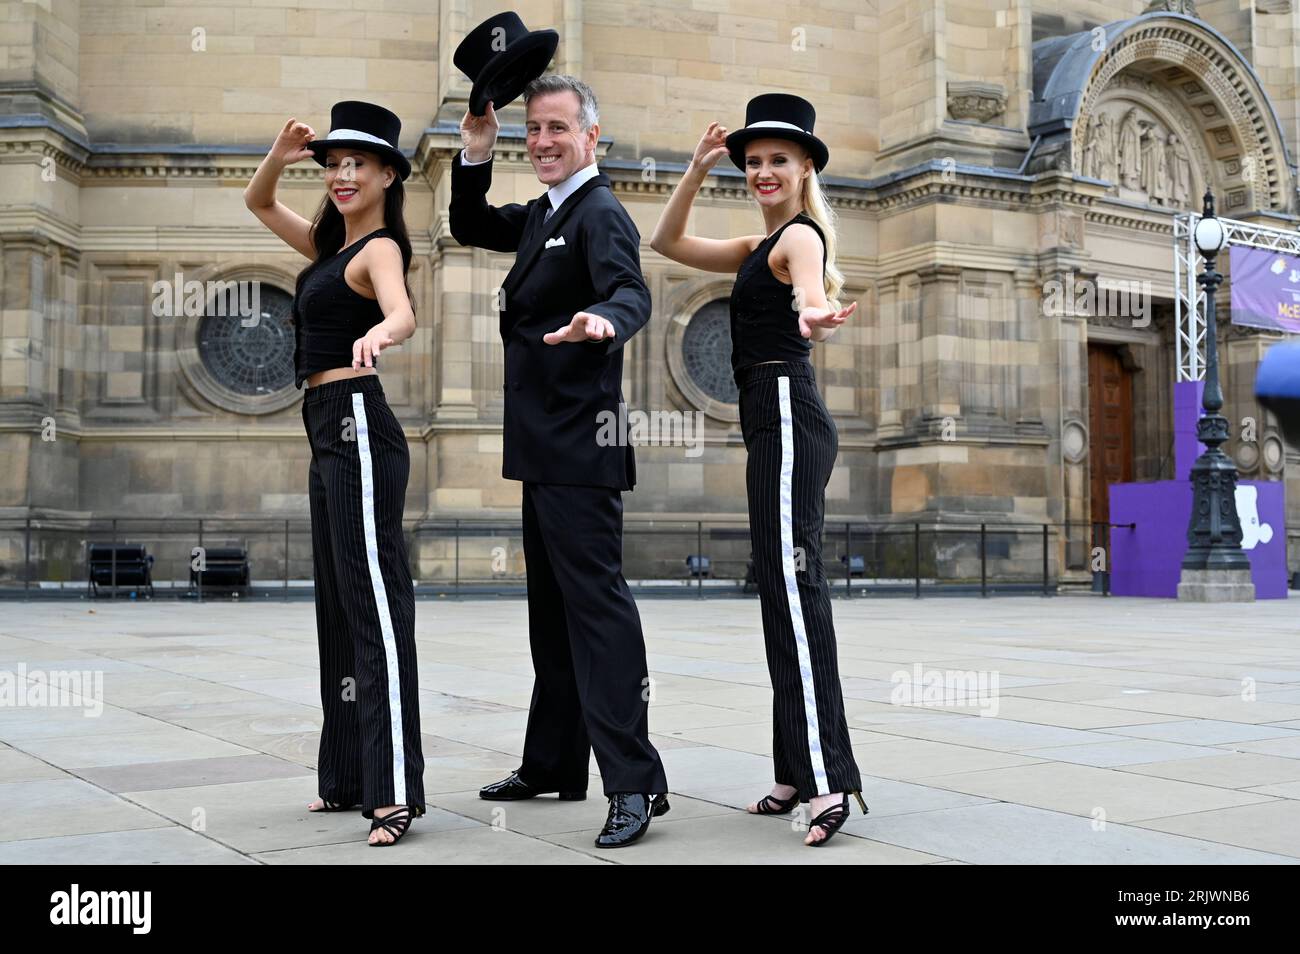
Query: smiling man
[(574, 296)]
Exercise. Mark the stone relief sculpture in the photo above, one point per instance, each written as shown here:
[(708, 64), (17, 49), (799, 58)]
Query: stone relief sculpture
[(1155, 165), (1140, 156), (1180, 173), (1099, 149), (1130, 151), (977, 101), (1186, 7)]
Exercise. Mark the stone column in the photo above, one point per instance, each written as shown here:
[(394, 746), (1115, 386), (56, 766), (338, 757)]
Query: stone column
[(1064, 370)]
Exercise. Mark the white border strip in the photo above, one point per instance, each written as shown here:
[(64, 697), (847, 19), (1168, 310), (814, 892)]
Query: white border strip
[(792, 590), (381, 600), (345, 134), (777, 124)]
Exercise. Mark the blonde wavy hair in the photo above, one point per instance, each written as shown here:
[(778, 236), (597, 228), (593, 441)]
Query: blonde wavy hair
[(818, 208)]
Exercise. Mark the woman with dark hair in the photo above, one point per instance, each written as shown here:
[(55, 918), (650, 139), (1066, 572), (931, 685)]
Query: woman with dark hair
[(783, 300), (350, 304)]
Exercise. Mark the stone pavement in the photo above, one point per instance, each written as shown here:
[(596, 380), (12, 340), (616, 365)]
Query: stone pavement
[(1116, 731)]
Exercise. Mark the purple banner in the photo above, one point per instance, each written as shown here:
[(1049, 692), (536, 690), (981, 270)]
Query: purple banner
[(1147, 558), (1265, 287)]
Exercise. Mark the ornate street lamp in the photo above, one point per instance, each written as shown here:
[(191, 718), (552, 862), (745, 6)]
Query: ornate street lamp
[(1215, 566)]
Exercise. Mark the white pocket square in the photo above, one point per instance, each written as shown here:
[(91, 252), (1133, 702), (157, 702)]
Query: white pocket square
[(553, 242)]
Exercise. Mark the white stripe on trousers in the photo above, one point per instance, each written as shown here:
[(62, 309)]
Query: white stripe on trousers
[(381, 599), (792, 587)]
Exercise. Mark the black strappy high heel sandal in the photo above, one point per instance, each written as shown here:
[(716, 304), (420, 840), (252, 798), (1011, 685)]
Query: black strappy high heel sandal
[(395, 823), (771, 805), (833, 819), (328, 806)]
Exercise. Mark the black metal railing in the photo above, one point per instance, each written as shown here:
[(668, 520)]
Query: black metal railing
[(60, 557), (471, 556)]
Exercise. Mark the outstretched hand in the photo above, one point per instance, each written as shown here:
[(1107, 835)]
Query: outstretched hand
[(810, 318), (365, 350), (584, 327)]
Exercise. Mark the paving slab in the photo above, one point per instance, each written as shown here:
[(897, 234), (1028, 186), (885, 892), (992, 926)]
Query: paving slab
[(1272, 826), (742, 838), (1125, 732), (1003, 833), (43, 808), (1084, 790), (173, 845)]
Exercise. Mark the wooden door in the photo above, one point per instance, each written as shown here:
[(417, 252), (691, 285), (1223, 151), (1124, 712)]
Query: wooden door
[(1110, 426)]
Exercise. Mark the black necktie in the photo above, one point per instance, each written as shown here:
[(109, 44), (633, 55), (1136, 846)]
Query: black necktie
[(535, 225), (550, 209)]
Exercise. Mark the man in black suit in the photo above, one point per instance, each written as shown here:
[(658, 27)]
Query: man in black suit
[(573, 297)]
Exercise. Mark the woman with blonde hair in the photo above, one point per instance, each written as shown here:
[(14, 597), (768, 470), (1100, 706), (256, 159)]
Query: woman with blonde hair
[(783, 300)]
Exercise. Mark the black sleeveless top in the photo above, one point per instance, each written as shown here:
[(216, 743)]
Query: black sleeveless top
[(764, 321), (329, 315)]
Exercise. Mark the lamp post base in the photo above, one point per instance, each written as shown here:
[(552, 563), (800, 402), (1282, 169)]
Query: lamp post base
[(1216, 586)]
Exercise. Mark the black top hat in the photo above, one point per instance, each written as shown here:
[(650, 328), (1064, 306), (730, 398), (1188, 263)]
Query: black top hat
[(500, 56), (358, 125), (778, 116)]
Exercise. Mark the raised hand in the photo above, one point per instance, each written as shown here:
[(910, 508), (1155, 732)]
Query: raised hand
[(291, 145), (712, 147), (810, 318), (584, 327), (365, 350), (479, 134)]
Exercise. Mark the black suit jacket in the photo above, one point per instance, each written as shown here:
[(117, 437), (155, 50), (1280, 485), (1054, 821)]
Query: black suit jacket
[(558, 396)]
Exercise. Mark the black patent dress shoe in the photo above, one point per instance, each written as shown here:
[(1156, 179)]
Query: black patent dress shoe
[(514, 789), (629, 817)]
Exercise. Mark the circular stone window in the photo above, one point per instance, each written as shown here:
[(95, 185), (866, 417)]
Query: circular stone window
[(706, 352), (252, 358)]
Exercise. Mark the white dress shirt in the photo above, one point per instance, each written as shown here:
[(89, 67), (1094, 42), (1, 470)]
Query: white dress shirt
[(556, 193)]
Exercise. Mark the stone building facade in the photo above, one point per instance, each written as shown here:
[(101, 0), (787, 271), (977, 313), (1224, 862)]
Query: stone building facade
[(981, 151)]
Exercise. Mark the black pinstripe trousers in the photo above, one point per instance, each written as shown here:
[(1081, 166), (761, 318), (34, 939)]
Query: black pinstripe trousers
[(591, 682), (792, 443), (365, 601)]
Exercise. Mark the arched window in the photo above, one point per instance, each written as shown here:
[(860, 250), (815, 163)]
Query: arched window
[(706, 352), (249, 354)]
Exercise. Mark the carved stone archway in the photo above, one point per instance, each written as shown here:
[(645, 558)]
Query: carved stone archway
[(1193, 74)]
